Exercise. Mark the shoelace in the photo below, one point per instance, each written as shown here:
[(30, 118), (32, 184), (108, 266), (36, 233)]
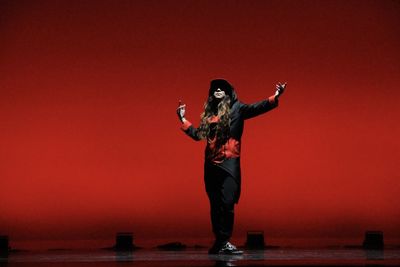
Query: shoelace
[(230, 246)]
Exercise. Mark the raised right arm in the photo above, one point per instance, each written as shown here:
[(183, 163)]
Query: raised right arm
[(188, 128)]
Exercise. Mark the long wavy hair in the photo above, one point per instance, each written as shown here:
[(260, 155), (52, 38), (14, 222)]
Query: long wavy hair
[(220, 130)]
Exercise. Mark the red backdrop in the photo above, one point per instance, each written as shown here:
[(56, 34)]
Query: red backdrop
[(90, 143)]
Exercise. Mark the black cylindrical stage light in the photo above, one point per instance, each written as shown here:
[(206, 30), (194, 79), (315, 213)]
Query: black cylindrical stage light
[(373, 240), (4, 248), (124, 241), (255, 240)]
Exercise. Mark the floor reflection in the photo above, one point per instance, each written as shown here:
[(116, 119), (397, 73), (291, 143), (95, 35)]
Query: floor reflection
[(225, 260), (124, 256), (374, 254)]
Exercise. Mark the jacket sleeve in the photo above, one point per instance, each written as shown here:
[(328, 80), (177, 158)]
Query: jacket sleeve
[(252, 110), (191, 131)]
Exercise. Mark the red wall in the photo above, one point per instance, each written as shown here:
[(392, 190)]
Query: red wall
[(90, 143)]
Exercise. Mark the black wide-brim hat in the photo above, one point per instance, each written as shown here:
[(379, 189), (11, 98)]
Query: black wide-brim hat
[(224, 85)]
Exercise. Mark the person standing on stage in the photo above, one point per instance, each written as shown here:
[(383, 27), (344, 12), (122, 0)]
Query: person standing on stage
[(221, 126)]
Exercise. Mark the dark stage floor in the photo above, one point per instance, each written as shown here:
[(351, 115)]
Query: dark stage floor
[(199, 257)]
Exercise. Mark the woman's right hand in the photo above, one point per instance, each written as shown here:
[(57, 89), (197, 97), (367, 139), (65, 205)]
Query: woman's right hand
[(180, 111)]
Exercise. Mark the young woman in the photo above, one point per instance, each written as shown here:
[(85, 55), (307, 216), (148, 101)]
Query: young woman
[(221, 126)]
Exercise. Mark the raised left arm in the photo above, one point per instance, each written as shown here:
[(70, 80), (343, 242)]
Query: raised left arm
[(258, 108)]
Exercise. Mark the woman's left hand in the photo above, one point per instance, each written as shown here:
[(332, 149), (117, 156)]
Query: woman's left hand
[(280, 88)]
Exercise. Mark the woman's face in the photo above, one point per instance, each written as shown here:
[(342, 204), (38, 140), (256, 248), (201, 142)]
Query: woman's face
[(219, 94)]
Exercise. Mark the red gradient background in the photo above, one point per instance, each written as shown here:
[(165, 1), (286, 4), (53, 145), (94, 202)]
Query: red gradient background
[(90, 143)]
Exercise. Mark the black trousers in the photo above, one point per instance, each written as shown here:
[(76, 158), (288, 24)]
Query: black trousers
[(222, 190)]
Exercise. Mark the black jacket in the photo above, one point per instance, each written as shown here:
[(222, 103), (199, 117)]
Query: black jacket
[(238, 114)]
